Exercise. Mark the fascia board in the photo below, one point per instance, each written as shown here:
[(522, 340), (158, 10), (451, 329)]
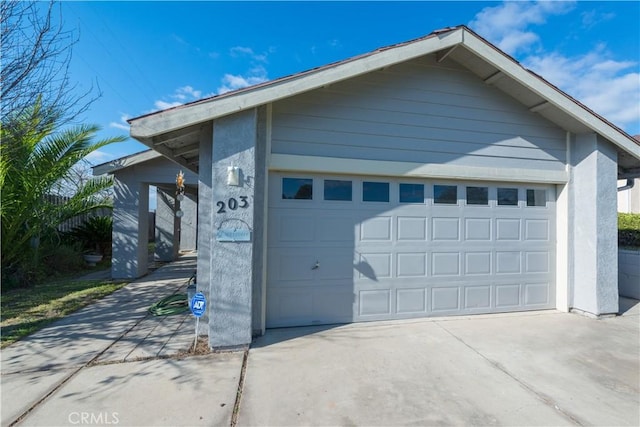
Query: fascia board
[(518, 73), (156, 124), (125, 162)]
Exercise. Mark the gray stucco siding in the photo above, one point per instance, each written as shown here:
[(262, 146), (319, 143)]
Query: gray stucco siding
[(419, 112)]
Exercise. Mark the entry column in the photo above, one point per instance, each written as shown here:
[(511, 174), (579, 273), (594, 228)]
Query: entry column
[(232, 232)]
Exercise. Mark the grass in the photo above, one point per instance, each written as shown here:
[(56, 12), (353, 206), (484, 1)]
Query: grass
[(24, 311), (629, 230)]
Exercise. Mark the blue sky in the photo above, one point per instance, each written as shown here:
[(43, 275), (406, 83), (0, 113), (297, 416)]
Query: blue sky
[(147, 56)]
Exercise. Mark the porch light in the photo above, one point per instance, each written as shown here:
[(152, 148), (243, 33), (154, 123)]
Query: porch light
[(233, 175)]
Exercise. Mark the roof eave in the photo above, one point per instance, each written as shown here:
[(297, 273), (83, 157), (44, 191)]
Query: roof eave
[(145, 127), (550, 93)]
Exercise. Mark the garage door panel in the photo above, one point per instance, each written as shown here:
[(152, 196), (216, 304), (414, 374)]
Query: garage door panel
[(508, 262), (536, 262), (291, 266), (508, 295), (445, 263), (333, 228), (374, 266), (445, 299), (477, 297), (536, 229), (411, 264), (376, 229), (507, 229), (411, 228), (477, 263), (411, 301), (296, 228), (334, 263), (392, 260), (445, 228), (537, 294), (374, 302), (477, 229)]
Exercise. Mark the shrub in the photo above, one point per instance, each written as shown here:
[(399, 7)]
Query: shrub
[(94, 234), (628, 230)]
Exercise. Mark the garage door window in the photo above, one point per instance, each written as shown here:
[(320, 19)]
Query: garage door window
[(411, 193), (297, 188), (375, 191), (478, 196), (536, 198), (445, 194), (507, 197), (337, 190)]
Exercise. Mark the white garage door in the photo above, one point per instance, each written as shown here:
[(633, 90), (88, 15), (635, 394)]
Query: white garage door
[(351, 249)]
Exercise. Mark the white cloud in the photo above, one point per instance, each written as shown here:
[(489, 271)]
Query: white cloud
[(256, 75), (233, 82), (163, 105), (506, 25), (243, 51), (122, 124), (608, 86), (98, 157), (180, 96)]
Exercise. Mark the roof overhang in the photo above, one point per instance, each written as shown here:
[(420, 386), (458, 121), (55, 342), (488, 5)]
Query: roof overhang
[(125, 162), (175, 132)]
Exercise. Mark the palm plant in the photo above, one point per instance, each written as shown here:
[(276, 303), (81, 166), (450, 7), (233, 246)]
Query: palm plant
[(94, 234), (33, 158)]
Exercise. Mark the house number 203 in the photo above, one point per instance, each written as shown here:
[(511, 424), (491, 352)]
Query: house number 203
[(233, 204)]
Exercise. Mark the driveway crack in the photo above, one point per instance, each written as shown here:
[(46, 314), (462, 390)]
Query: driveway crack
[(547, 400)]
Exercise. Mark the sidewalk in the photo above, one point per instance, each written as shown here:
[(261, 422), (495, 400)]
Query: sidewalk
[(103, 351)]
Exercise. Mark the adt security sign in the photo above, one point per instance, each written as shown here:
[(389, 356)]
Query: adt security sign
[(198, 304)]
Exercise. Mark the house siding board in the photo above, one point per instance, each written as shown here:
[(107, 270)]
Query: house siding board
[(417, 112)]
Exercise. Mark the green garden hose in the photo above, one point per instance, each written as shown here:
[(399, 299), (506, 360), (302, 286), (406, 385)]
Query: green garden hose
[(173, 304)]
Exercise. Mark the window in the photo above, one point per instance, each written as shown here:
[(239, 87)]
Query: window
[(507, 196), (297, 188), (411, 193), (445, 194), (337, 190), (536, 198), (375, 191), (477, 196)]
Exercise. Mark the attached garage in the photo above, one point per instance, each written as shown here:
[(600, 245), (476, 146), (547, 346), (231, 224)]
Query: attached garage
[(434, 177), (352, 249)]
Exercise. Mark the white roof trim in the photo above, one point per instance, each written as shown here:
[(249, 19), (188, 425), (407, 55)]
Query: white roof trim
[(145, 127), (180, 117), (549, 93), (125, 162)]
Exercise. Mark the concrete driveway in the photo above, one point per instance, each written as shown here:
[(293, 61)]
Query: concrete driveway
[(538, 368)]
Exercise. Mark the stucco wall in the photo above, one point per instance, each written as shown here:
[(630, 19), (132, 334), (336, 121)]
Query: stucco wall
[(629, 273), (593, 226), (232, 262)]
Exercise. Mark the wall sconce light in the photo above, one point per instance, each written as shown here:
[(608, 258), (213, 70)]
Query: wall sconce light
[(233, 175)]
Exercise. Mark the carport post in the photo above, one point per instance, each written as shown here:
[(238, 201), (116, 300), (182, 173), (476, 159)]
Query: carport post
[(594, 222), (233, 235), (130, 226)]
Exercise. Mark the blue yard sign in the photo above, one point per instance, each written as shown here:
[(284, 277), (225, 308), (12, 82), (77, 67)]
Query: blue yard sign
[(198, 304)]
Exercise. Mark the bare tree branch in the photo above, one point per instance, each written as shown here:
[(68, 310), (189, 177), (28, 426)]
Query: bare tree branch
[(36, 53)]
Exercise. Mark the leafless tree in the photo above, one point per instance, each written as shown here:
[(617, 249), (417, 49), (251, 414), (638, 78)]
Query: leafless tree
[(36, 52)]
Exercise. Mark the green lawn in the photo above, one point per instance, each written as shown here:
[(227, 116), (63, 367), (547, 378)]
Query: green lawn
[(24, 311)]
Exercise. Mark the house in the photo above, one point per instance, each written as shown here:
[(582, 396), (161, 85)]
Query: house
[(429, 178)]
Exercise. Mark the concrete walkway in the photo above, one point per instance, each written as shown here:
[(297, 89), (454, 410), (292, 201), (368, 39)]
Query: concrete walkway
[(102, 362), (112, 364)]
